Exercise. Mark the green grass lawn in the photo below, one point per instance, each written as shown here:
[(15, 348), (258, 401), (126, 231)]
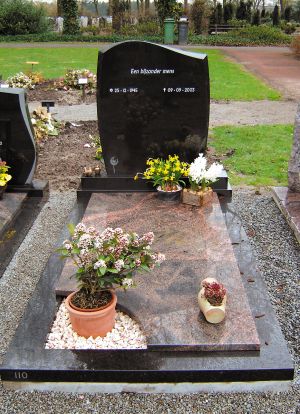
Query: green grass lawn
[(228, 80), (260, 153)]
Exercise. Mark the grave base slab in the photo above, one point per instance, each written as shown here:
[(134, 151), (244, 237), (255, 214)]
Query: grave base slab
[(196, 244), (18, 210), (28, 361)]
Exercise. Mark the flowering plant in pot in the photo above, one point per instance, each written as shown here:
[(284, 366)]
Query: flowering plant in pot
[(166, 175), (105, 261), (4, 177), (212, 300), (201, 177)]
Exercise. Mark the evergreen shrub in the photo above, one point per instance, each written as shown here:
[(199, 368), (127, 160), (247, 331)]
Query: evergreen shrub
[(20, 17)]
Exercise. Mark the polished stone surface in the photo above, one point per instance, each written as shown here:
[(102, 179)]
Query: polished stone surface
[(152, 101), (289, 204), (196, 244), (128, 184), (18, 210), (27, 359), (17, 144)]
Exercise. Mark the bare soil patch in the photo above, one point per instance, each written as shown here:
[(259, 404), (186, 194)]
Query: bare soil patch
[(61, 159), (48, 91)]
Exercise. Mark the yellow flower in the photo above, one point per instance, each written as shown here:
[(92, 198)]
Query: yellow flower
[(136, 177)]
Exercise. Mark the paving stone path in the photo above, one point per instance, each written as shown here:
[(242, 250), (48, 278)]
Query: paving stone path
[(231, 113)]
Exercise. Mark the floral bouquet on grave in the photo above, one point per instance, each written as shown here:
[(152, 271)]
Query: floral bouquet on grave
[(20, 80), (201, 177), (72, 77), (4, 176), (44, 124), (167, 174)]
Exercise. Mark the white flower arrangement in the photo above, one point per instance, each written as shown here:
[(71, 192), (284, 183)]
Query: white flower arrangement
[(72, 77), (20, 80), (200, 175)]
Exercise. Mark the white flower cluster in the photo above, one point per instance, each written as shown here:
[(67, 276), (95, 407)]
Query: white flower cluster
[(72, 76), (111, 255), (127, 282), (200, 174), (20, 80)]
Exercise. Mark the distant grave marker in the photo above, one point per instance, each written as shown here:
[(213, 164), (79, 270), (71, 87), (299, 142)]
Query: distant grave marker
[(152, 101)]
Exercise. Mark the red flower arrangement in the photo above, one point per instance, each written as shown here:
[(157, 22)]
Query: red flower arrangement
[(214, 293)]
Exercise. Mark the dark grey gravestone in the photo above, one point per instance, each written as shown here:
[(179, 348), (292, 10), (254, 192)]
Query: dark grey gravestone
[(294, 164), (152, 101), (17, 145)]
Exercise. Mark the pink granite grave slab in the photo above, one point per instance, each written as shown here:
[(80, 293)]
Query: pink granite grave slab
[(9, 207), (197, 245)]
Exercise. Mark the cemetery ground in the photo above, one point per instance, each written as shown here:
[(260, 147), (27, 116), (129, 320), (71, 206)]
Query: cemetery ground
[(277, 252)]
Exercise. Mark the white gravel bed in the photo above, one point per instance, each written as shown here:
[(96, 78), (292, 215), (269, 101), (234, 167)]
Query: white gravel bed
[(278, 257), (126, 334)]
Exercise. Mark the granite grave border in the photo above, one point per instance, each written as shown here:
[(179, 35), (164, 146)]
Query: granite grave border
[(27, 360)]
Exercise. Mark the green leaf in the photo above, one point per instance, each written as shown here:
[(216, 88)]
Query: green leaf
[(75, 251), (110, 270), (102, 270), (71, 228)]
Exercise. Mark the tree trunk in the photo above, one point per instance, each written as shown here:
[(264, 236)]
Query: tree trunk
[(185, 6), (59, 8), (147, 7)]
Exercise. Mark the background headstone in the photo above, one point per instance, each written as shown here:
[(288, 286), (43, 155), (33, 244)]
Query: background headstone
[(59, 24), (152, 101), (95, 21), (83, 21), (17, 144), (294, 164)]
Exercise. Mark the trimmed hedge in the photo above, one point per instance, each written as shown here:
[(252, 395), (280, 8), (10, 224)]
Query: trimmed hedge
[(243, 37), (55, 37)]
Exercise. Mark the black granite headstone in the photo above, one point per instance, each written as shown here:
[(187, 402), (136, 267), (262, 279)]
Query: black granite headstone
[(152, 101), (17, 145)]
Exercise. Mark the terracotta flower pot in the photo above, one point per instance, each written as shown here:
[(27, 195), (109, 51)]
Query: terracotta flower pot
[(197, 198), (90, 322), (213, 314), (169, 195)]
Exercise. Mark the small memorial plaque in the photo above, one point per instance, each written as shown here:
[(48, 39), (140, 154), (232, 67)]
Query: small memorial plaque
[(152, 101), (82, 81)]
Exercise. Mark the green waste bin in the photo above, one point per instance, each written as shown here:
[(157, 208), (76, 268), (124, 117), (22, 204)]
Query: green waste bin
[(169, 24)]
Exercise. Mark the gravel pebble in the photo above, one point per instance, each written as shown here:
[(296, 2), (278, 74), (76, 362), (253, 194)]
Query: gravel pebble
[(278, 259)]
